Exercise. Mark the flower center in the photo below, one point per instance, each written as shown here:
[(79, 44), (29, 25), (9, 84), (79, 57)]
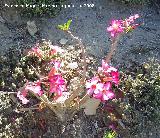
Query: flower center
[(93, 86), (115, 26)]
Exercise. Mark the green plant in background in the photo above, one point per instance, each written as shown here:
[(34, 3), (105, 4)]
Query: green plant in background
[(110, 134), (134, 1), (40, 7), (65, 26), (142, 87)]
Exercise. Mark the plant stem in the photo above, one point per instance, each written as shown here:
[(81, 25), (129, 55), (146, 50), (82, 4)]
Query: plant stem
[(78, 90), (113, 49), (84, 99)]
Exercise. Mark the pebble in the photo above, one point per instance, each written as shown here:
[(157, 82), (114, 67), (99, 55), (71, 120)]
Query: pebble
[(63, 41), (32, 28)]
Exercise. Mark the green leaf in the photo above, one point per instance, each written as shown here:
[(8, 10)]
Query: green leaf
[(61, 27), (65, 26), (68, 24), (110, 134)]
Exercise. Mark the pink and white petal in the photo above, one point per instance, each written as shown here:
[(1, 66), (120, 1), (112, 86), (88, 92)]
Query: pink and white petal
[(110, 94), (90, 91), (110, 29), (57, 64), (107, 86), (98, 96), (120, 30), (88, 84), (113, 34), (62, 98), (22, 98), (94, 80), (105, 97), (105, 65), (35, 89), (136, 16), (100, 69), (100, 86), (97, 91)]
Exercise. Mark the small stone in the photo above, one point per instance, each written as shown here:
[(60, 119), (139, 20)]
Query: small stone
[(32, 28), (63, 41)]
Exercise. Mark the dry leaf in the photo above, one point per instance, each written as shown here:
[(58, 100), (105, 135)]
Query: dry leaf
[(90, 106)]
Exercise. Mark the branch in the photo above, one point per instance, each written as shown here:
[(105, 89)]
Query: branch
[(78, 90), (84, 99), (113, 49)]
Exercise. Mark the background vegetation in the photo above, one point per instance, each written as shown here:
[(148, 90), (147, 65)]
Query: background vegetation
[(134, 1), (40, 10)]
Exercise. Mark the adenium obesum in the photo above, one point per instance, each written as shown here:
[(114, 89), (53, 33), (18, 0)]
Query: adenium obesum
[(100, 86), (54, 80), (54, 83), (119, 26)]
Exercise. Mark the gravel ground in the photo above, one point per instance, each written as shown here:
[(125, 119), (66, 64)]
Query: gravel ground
[(89, 24)]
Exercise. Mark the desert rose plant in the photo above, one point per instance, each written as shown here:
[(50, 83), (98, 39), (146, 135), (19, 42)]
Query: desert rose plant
[(61, 81)]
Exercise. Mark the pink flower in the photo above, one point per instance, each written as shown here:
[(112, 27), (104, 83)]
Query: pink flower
[(57, 84), (36, 51), (92, 85), (118, 26), (30, 86), (129, 22), (104, 92), (106, 67), (115, 77), (99, 90), (110, 73), (131, 19), (35, 87), (56, 66), (115, 28), (55, 49), (100, 87), (22, 96)]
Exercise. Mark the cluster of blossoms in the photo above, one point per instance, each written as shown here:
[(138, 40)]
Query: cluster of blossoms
[(53, 81), (119, 26), (100, 86), (45, 53)]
